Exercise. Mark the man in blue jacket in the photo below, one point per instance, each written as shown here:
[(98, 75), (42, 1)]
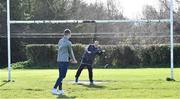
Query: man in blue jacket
[(87, 60), (64, 53)]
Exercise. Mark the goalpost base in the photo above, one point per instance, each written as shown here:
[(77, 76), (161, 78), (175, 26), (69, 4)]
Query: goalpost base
[(8, 80), (170, 79)]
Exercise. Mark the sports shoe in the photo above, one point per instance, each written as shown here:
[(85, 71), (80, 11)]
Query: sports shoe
[(91, 83), (76, 80), (61, 92), (55, 92)]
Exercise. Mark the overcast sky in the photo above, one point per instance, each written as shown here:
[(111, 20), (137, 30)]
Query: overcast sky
[(131, 8)]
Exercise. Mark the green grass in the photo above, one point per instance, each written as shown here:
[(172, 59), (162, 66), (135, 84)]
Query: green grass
[(120, 83)]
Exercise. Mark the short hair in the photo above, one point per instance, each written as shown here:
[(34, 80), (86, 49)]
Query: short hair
[(67, 32)]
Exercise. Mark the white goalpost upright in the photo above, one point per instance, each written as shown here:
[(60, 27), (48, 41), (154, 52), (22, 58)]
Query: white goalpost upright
[(171, 39), (9, 22), (9, 40)]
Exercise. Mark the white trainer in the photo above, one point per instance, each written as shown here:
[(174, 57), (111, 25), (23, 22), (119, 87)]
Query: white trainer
[(61, 91), (55, 92)]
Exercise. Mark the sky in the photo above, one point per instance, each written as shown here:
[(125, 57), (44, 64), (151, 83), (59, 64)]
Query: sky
[(131, 8)]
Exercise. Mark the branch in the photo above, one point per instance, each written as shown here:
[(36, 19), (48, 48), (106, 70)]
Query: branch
[(53, 9), (166, 6)]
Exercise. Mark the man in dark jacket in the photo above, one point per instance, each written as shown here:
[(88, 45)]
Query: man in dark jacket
[(87, 60)]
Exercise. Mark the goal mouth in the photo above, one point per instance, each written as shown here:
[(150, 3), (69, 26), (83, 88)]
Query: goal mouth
[(9, 22)]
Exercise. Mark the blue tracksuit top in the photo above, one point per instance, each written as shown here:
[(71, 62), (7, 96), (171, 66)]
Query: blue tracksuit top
[(64, 50), (88, 58)]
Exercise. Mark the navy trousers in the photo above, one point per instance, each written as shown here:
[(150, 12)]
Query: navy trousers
[(90, 71), (63, 66)]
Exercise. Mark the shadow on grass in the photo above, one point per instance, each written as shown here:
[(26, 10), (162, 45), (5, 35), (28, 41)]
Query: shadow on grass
[(33, 89), (65, 97), (176, 81), (4, 83), (25, 89), (92, 86)]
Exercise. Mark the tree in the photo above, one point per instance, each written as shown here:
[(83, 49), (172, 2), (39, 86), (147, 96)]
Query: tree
[(2, 17)]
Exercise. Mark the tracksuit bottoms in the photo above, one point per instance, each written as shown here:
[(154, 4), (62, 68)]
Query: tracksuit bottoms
[(89, 67), (63, 66)]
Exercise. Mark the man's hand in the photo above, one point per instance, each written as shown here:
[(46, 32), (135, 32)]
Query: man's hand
[(89, 52), (73, 61), (103, 51)]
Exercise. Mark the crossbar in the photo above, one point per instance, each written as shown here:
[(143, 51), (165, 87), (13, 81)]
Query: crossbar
[(86, 21)]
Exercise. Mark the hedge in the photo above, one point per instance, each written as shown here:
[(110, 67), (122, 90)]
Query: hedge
[(18, 52), (44, 56)]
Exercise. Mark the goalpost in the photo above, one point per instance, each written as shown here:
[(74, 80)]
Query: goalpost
[(170, 20)]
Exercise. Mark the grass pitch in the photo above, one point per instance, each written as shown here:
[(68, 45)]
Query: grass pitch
[(116, 83)]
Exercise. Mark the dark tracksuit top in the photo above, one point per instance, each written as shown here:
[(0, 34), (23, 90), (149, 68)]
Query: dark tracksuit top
[(88, 58)]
